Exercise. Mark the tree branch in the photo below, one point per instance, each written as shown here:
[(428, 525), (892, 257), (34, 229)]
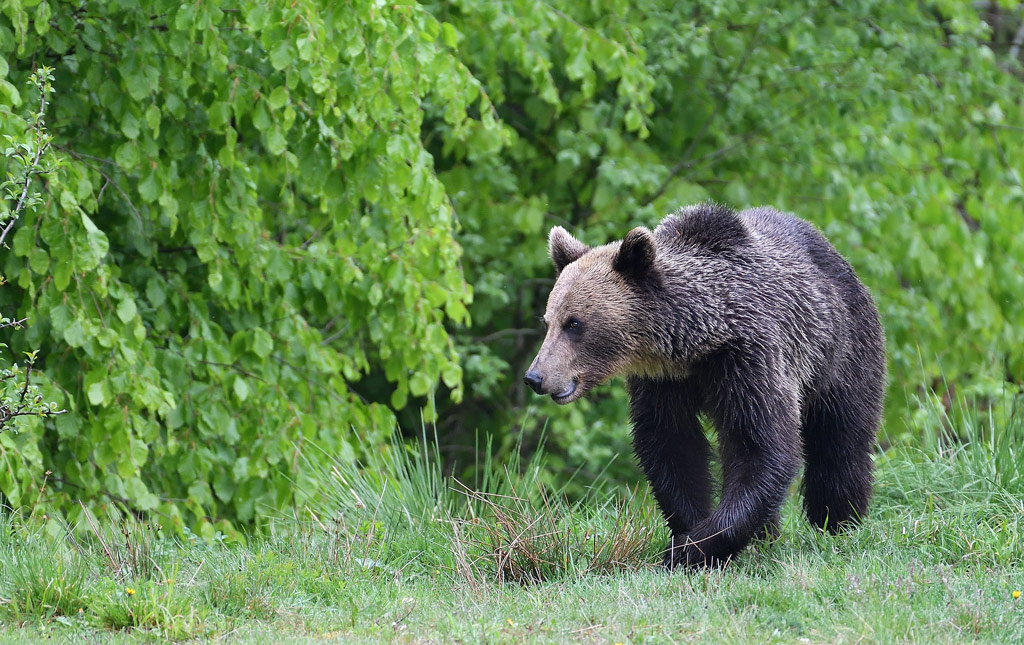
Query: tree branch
[(13, 323), (685, 161), (506, 332), (33, 168)]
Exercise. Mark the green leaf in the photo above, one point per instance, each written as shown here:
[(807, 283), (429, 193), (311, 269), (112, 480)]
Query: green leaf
[(276, 142), (281, 56), (448, 35), (127, 155), (130, 125), (241, 388), (74, 334), (451, 374), (97, 393), (155, 293), (262, 343), (9, 93), (153, 119), (39, 261), (420, 384), (261, 117), (633, 120), (218, 113), (376, 294), (149, 189), (126, 310), (240, 469), (278, 97)]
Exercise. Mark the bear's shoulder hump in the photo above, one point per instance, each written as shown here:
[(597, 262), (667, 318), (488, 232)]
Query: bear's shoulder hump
[(710, 227)]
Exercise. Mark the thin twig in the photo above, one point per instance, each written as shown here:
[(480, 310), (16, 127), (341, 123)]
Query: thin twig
[(506, 332), (33, 167), (13, 323), (24, 390)]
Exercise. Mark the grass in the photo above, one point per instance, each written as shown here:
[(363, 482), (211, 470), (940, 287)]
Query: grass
[(396, 552)]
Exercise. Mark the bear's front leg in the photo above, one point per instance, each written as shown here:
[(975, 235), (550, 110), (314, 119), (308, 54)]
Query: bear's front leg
[(672, 449), (757, 418)]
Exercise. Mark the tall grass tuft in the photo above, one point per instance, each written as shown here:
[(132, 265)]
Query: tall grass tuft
[(391, 507), (961, 489), (400, 509), (40, 577), (970, 449), (527, 539), (131, 549)]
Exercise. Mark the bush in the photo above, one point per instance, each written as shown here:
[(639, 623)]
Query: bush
[(279, 225), (892, 127), (245, 223)]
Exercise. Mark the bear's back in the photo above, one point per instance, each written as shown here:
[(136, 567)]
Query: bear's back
[(757, 234), (783, 282), (800, 242), (706, 227)]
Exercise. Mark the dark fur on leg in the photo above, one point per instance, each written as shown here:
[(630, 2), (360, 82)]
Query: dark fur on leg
[(839, 436), (672, 449), (758, 434)]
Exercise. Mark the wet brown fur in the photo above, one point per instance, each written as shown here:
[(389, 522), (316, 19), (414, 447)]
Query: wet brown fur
[(752, 318)]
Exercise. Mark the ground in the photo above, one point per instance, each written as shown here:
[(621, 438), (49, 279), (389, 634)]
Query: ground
[(940, 559)]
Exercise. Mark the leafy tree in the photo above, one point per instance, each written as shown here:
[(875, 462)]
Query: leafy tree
[(246, 223), (889, 125), (280, 224), (27, 156)]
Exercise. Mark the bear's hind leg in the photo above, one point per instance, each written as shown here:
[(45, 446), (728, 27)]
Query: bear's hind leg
[(672, 449), (839, 429)]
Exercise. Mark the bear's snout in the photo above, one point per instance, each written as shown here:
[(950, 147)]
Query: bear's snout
[(534, 380)]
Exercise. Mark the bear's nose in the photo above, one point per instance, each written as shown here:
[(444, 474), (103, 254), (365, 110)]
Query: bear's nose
[(534, 380)]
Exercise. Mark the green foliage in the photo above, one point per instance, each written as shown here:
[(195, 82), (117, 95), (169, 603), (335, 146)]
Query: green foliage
[(891, 126), (278, 225), (27, 154), (245, 225)]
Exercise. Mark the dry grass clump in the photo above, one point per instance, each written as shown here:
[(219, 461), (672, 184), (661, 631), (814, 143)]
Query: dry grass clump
[(528, 539)]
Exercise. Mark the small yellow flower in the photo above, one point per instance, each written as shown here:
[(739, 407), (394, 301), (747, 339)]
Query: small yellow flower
[(1016, 594), (510, 621), (129, 591)]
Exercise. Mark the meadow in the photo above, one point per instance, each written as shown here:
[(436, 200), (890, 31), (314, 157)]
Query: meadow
[(397, 551)]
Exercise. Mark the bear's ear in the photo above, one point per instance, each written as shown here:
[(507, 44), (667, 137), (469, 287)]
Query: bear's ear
[(635, 258), (564, 248)]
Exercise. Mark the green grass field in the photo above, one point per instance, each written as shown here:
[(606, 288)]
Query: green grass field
[(397, 552)]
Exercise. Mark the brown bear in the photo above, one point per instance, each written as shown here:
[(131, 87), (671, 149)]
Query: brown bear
[(752, 318)]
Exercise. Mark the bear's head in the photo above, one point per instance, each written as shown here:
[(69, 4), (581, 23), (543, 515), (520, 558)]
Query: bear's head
[(598, 315)]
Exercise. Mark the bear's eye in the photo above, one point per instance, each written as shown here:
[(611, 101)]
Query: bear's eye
[(572, 324)]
